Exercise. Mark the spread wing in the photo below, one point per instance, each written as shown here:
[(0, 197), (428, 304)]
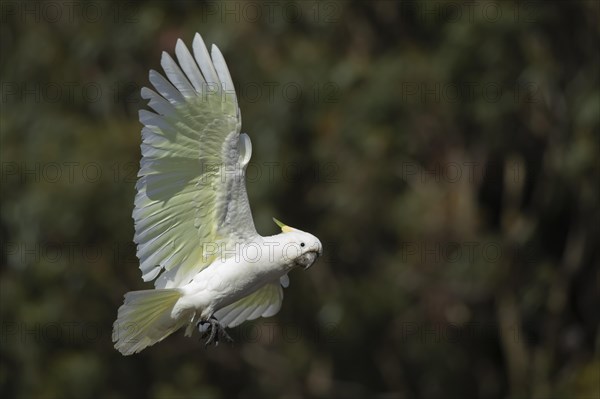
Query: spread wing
[(264, 302), (191, 189)]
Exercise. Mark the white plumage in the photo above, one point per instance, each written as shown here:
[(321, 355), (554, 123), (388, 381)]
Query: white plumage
[(193, 224)]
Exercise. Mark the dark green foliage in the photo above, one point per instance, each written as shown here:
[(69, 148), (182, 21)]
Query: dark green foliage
[(445, 153)]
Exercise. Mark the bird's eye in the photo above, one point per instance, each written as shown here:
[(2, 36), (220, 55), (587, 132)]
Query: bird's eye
[(301, 244)]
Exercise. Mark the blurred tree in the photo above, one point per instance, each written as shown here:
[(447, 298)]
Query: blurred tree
[(446, 153)]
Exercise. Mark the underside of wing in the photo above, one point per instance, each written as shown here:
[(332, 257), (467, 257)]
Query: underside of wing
[(191, 190), (265, 302)]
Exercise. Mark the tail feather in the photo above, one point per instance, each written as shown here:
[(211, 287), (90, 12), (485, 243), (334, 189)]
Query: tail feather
[(145, 319)]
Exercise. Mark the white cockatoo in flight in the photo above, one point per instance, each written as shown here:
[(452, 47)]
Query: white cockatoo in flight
[(193, 227)]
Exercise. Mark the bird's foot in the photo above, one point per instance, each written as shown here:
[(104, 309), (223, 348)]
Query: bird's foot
[(212, 329)]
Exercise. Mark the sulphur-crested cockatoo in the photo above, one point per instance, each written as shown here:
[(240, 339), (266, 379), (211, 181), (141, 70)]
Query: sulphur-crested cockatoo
[(193, 227)]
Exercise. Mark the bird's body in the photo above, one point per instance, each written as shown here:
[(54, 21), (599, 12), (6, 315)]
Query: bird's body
[(246, 270), (194, 228)]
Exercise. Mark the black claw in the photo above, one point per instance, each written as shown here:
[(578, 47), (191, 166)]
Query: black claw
[(215, 332), (223, 334)]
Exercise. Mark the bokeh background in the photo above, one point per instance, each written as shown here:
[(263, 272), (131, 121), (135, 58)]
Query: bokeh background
[(446, 154)]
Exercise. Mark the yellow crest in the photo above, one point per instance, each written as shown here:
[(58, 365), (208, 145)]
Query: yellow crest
[(284, 228)]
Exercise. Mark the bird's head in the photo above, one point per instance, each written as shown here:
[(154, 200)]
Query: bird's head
[(300, 247)]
